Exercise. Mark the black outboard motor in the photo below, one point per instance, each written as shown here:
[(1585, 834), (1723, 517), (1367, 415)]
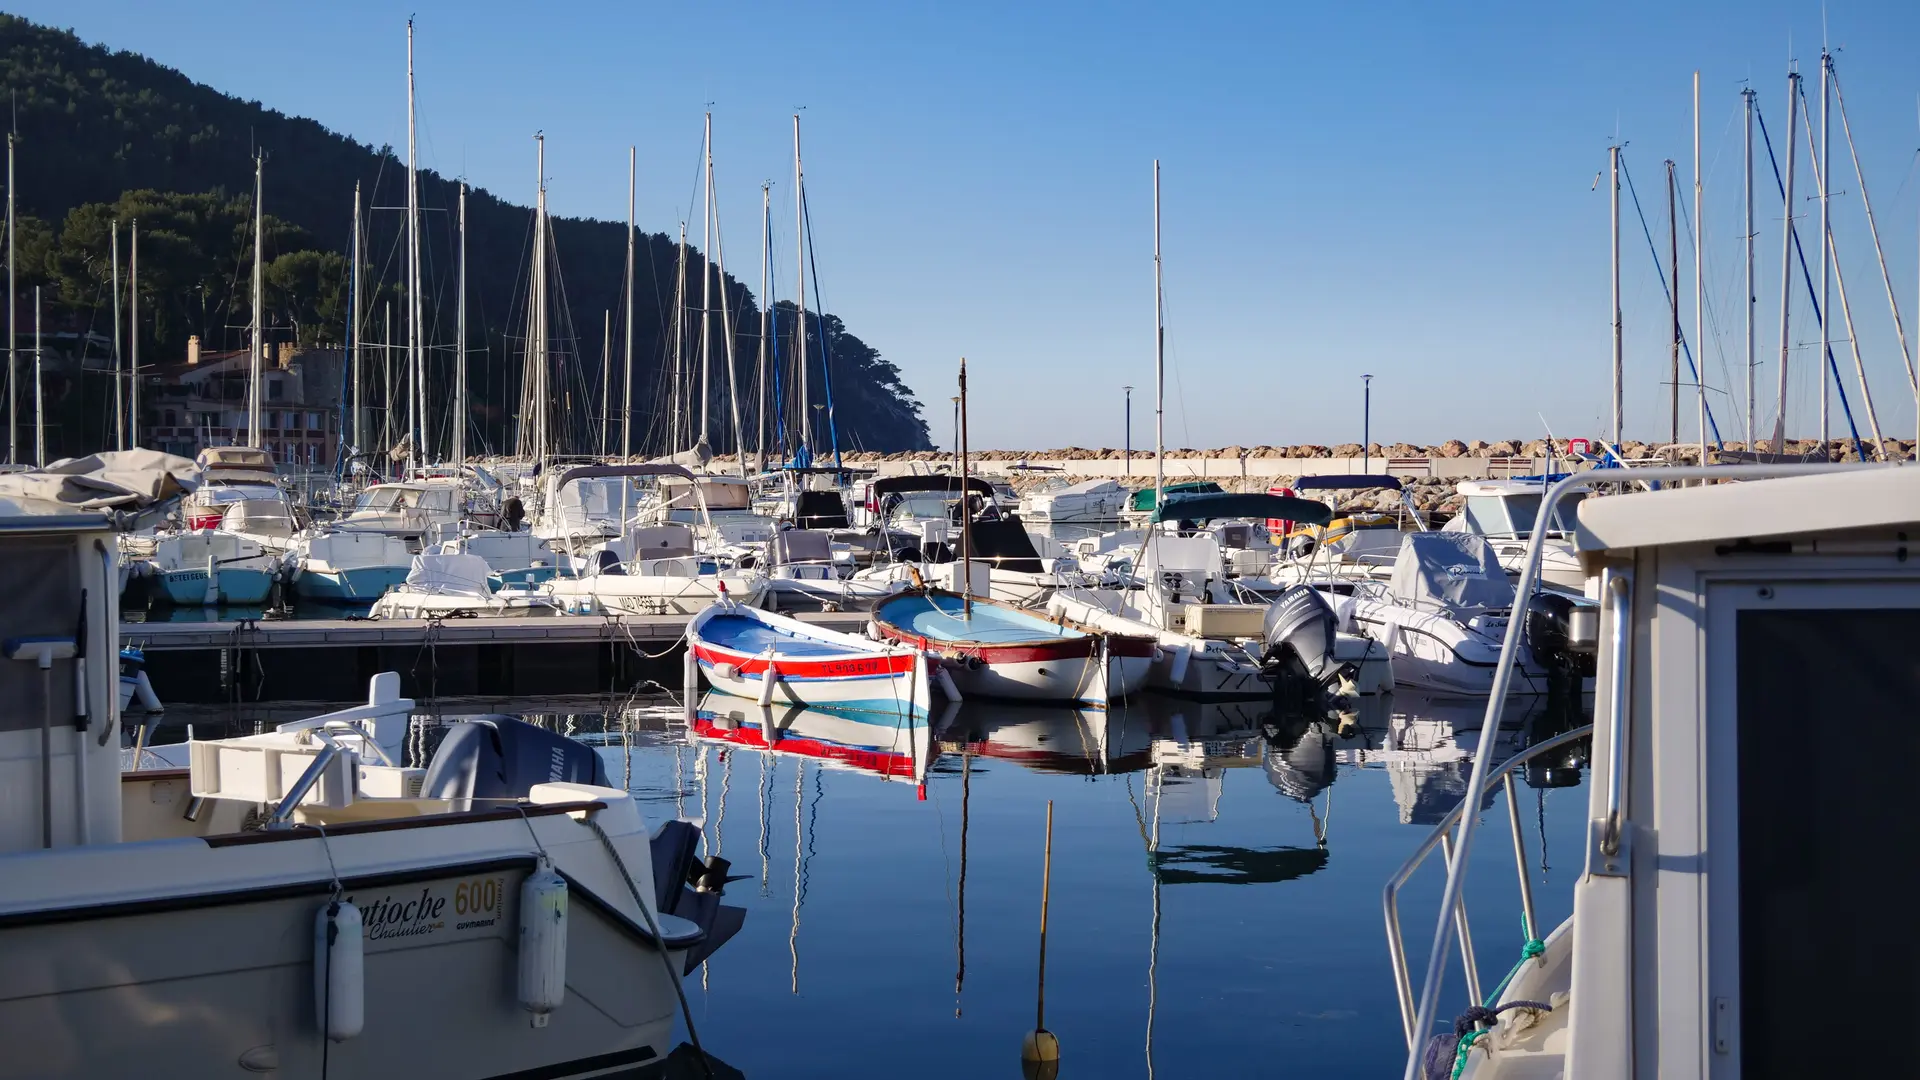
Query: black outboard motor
[(1299, 631), (501, 757), (515, 513), (1563, 632)]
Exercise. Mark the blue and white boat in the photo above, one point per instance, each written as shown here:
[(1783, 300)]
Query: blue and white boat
[(880, 744), (350, 566), (212, 567), (771, 658), (998, 650)]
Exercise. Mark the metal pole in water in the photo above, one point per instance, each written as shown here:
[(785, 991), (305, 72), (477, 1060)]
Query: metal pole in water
[(966, 512), (1041, 1047), (1366, 423)]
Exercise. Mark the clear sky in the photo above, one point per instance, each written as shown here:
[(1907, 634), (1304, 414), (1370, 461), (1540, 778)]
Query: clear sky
[(1406, 190)]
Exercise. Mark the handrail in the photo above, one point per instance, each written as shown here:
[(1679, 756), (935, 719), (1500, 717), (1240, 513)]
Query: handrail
[(284, 809), (1619, 591), (1396, 940), (1503, 678)]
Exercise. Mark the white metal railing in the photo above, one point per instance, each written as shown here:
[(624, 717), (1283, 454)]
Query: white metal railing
[(1450, 902)]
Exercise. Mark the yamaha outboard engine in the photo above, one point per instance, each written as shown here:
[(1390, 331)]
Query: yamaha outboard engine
[(501, 758), (1563, 632), (1299, 634)]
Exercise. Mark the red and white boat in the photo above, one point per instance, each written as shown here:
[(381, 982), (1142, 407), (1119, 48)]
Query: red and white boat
[(777, 660), (998, 650)]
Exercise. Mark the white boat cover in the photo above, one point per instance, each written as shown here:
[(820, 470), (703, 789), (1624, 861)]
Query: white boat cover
[(259, 517), (1456, 572), (456, 575), (109, 480)]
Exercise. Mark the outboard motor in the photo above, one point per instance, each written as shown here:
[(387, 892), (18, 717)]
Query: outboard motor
[(1563, 632), (1299, 630), (501, 758)]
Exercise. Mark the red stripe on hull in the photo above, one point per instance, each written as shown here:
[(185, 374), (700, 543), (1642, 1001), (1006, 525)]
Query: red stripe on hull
[(1074, 648), (874, 761), (853, 667)]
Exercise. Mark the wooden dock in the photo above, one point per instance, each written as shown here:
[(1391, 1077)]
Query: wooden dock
[(332, 659)]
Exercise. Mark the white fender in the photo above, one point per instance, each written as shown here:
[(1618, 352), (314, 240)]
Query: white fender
[(1182, 657), (767, 679), (543, 942), (339, 971), (946, 681)]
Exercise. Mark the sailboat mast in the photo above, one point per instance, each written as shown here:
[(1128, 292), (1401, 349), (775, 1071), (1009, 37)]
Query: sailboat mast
[(353, 328), (966, 508), (119, 373), (1826, 264), (386, 383), (1786, 265), (257, 347), (766, 307), (1159, 356), (13, 335), (1619, 353), (678, 417), (706, 277), (1699, 278), (39, 389), (133, 332), (606, 378), (805, 455), (1747, 97), (460, 408), (416, 368), (542, 405), (1673, 305), (626, 394), (726, 318)]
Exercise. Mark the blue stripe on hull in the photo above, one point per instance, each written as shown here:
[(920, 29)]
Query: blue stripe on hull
[(359, 585)]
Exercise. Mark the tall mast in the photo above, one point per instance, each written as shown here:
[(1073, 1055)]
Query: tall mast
[(766, 307), (1746, 96), (1853, 340), (39, 389), (541, 405), (966, 507), (805, 455), (416, 368), (1159, 357), (257, 347), (386, 384), (13, 336), (706, 277), (1699, 278), (606, 378), (353, 329), (119, 373), (1826, 272), (677, 417), (460, 408), (1619, 365), (1779, 443), (1673, 306), (719, 266), (626, 395), (133, 331)]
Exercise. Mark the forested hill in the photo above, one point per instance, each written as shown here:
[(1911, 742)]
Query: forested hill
[(109, 135)]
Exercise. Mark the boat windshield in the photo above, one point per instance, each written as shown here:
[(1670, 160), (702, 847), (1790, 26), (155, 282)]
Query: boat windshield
[(1514, 514), (382, 498)]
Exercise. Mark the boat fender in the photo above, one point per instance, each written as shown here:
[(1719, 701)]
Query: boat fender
[(143, 692), (767, 679), (1182, 656), (543, 942), (339, 970), (725, 671), (946, 684)]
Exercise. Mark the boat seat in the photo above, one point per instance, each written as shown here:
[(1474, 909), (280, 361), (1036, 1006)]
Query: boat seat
[(608, 562), (800, 546), (662, 542)]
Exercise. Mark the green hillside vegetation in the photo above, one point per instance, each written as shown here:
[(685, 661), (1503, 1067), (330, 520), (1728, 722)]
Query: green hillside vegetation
[(111, 136)]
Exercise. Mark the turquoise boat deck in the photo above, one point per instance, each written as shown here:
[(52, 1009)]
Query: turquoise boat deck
[(939, 618), (745, 634)]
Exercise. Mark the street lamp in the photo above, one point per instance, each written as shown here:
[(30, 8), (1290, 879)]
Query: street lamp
[(1366, 422), (1129, 391)]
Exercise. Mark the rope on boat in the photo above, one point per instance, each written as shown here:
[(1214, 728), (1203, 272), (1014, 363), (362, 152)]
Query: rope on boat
[(660, 941)]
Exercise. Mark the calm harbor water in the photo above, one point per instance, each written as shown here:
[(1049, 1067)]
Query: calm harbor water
[(1216, 879)]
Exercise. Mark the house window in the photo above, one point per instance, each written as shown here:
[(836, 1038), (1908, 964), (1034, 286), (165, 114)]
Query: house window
[(275, 390), (313, 422)]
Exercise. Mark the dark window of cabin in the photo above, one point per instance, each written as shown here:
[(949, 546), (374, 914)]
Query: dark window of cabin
[(1829, 715)]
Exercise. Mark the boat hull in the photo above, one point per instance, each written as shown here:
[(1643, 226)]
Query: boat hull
[(835, 671), (1069, 664), (649, 595), (359, 585), (233, 585)]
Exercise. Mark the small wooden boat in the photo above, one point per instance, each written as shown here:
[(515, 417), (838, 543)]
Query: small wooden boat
[(773, 659), (1003, 651)]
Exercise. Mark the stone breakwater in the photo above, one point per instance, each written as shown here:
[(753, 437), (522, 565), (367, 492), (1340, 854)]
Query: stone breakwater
[(1839, 450)]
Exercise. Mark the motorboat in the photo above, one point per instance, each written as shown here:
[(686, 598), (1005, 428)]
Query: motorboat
[(271, 523), (1505, 512), (1444, 615), (440, 586), (278, 905), (998, 650), (771, 659), (229, 474), (409, 510), (1087, 502), (1710, 899), (946, 513), (1353, 544), (210, 566), (804, 573), (349, 566), (1141, 506)]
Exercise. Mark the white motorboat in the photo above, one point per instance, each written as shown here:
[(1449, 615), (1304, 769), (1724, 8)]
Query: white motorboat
[(804, 573), (1443, 616), (211, 566), (442, 585), (349, 566), (999, 547), (278, 906), (1087, 502), (653, 571), (409, 509), (1504, 512), (1711, 900)]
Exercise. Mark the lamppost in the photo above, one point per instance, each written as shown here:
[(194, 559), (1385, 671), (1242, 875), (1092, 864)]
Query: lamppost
[(1129, 391), (1366, 422)]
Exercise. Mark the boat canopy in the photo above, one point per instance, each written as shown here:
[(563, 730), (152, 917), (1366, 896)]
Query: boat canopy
[(582, 472), (1143, 499), (109, 480), (1226, 504), (1455, 572), (907, 485), (1346, 482)]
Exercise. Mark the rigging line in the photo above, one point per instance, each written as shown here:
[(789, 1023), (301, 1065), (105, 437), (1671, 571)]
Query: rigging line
[(1806, 276), (1665, 289), (1712, 313), (826, 347)]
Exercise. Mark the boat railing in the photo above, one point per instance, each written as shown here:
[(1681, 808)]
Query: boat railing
[(1609, 830), (1442, 838)]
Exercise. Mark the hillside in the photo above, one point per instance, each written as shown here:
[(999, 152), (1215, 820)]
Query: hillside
[(106, 135)]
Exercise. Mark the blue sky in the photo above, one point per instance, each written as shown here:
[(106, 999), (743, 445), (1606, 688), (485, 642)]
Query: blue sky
[(1397, 189)]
